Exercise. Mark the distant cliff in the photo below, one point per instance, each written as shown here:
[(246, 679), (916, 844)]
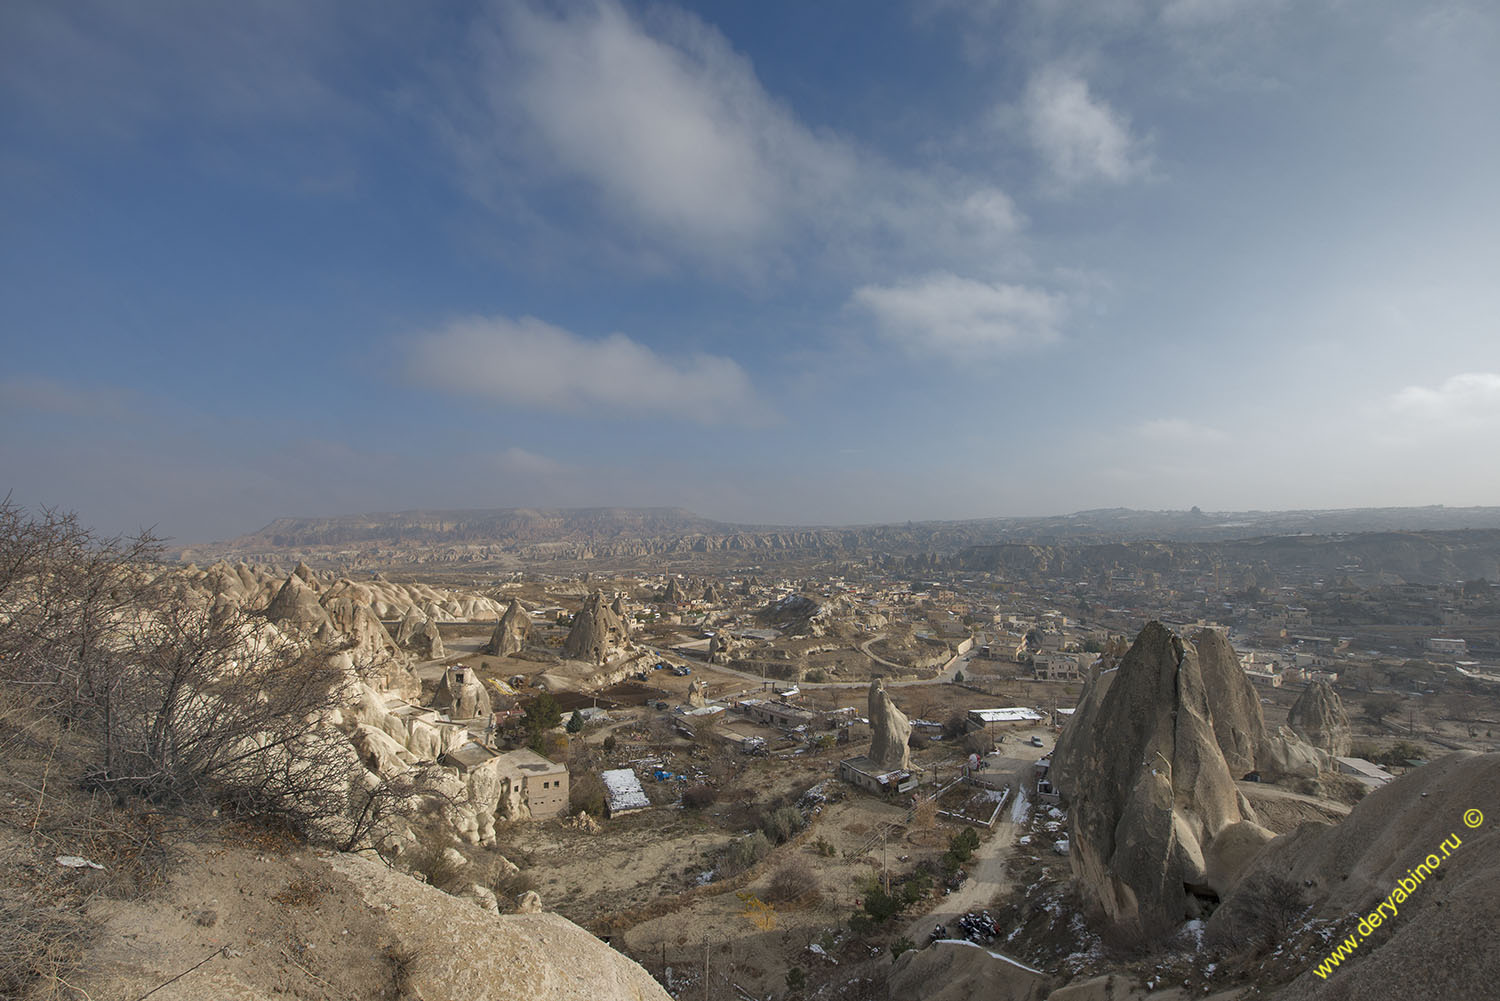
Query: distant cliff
[(1431, 544)]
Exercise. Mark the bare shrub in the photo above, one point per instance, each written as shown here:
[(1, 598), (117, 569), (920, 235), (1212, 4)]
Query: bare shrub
[(924, 815), (743, 853), (794, 882), (586, 793), (510, 885), (181, 700), (431, 859), (782, 823), (699, 796), (42, 945), (1263, 911)]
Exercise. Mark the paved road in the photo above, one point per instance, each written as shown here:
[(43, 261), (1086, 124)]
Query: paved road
[(953, 666)]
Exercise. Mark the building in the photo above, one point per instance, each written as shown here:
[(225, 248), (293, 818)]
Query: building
[(543, 783), (1440, 644), (1371, 774), (989, 720), (776, 713), (867, 775), (1051, 666), (622, 792), (529, 783)]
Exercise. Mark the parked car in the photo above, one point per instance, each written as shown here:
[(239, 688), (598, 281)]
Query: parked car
[(1036, 741)]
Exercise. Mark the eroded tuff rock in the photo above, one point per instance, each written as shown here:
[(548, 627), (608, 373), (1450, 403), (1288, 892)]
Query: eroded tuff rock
[(696, 693), (462, 694), (889, 729), (597, 634), (722, 648), (511, 632), (1239, 726), (1441, 943), (1149, 787), (1284, 754), (1318, 717), (409, 625), (427, 642), (296, 604)]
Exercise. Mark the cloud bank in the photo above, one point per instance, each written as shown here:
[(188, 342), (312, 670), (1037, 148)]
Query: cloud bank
[(962, 318), (528, 364)]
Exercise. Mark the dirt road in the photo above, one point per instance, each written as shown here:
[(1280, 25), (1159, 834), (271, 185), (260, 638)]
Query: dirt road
[(987, 878)]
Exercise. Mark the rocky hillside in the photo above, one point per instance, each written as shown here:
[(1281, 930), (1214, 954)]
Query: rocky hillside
[(1417, 557), (1415, 543), (276, 924)]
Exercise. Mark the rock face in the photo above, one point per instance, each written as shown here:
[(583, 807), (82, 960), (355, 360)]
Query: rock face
[(1150, 789), (427, 642), (297, 604), (1238, 723), (511, 632), (375, 933), (1345, 871), (959, 970), (1283, 754), (890, 731), (675, 595), (462, 694), (410, 624), (597, 633), (722, 648), (696, 696), (1318, 717)]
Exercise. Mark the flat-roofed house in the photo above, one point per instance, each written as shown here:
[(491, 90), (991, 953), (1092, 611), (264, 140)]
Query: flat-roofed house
[(622, 792), (990, 720)]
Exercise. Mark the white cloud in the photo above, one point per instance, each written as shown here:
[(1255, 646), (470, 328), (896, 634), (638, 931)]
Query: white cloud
[(529, 364), (658, 125), (961, 317), (1176, 431), (1081, 137), (1467, 400)]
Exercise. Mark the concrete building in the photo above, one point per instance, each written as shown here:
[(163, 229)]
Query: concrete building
[(775, 713), (1439, 644), (991, 720), (543, 783), (528, 782), (1052, 666), (622, 792), (1368, 772), (867, 775)]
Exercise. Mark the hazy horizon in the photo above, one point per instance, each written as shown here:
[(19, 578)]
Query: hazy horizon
[(770, 263)]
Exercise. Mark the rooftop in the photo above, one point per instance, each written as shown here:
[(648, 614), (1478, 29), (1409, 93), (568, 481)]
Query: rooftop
[(1011, 714), (623, 789)]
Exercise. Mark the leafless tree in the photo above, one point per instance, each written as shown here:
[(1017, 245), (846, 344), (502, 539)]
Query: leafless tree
[(181, 699)]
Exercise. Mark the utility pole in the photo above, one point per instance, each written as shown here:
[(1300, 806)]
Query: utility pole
[(885, 877), (705, 968)]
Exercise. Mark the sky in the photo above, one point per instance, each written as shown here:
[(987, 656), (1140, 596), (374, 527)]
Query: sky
[(777, 263)]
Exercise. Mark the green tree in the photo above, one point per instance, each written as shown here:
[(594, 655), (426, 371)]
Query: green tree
[(542, 714), (575, 722)]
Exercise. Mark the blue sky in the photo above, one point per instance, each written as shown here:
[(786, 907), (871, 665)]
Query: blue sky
[(780, 263)]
